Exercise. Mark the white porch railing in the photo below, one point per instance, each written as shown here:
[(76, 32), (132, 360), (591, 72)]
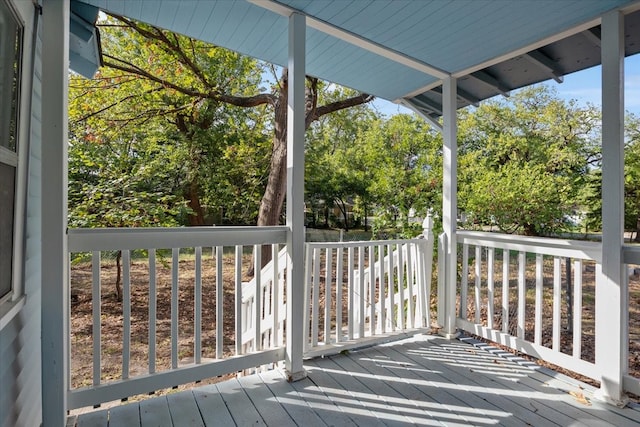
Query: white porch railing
[(513, 291), (190, 365), (263, 318), (365, 290), (631, 258), (381, 288)]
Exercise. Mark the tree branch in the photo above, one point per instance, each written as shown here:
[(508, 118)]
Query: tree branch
[(336, 106), (238, 101), (95, 113)]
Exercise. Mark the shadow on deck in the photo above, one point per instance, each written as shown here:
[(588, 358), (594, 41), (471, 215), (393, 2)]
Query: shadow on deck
[(425, 380)]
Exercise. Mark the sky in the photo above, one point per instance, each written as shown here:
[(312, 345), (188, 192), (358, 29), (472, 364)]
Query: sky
[(583, 86)]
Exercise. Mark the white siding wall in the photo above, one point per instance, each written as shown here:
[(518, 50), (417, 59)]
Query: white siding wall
[(20, 372)]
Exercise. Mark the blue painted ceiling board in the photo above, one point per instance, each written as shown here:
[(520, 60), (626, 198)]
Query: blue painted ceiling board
[(484, 29), (452, 35)]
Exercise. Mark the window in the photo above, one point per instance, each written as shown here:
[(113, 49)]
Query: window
[(10, 56)]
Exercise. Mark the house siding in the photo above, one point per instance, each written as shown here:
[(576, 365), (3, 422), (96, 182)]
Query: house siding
[(20, 364)]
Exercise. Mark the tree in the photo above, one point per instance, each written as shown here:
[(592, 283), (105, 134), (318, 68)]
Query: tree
[(592, 196), (523, 161), (202, 129), (198, 84), (336, 174), (405, 155), (128, 182)]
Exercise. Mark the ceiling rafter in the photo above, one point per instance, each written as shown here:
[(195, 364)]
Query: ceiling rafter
[(432, 120), (537, 45), (593, 35), (462, 95), (491, 81), (428, 104), (354, 39), (541, 60)]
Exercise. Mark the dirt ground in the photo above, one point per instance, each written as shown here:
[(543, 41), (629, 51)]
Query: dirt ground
[(112, 323)]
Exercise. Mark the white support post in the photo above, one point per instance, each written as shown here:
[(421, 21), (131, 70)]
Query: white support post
[(55, 289), (611, 298), (295, 198), (450, 202)]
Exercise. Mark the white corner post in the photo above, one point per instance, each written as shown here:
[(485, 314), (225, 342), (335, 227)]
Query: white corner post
[(295, 198), (449, 203), (55, 289), (611, 298)]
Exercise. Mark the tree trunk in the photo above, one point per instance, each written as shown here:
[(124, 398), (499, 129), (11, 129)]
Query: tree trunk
[(118, 277), (326, 215), (343, 209), (276, 190), (197, 217), (366, 225)]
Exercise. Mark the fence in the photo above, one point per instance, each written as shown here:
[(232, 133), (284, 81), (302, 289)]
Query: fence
[(530, 294), (221, 320), (189, 357)]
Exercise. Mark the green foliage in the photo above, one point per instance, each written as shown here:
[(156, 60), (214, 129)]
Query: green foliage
[(144, 153), (123, 183), (524, 161), (405, 156), (516, 197), (335, 172)]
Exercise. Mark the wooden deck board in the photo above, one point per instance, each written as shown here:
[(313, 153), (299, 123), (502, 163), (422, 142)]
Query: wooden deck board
[(429, 379), (154, 412), (93, 419), (125, 415), (239, 404), (339, 392), (213, 410), (377, 380), (456, 377), (421, 381), (510, 376), (393, 369), (296, 406), (183, 407), (376, 394), (596, 413), (265, 402), (331, 413), (466, 405)]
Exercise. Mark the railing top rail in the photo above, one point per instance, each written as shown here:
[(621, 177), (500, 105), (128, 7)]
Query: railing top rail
[(111, 239), (361, 243), (541, 245)]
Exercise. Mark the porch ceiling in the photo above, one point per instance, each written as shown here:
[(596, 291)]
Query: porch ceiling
[(400, 49)]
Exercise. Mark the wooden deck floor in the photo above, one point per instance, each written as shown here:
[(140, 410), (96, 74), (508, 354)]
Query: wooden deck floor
[(425, 380)]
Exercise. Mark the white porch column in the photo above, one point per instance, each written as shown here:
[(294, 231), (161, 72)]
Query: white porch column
[(611, 298), (55, 290), (295, 197), (449, 201)]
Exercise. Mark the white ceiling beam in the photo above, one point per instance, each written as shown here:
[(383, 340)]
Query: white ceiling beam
[(594, 36), (537, 45), (462, 95), (427, 104), (419, 91), (491, 81), (354, 39), (432, 120), (544, 62)]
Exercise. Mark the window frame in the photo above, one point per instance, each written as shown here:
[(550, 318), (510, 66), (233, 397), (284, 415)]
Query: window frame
[(12, 302)]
